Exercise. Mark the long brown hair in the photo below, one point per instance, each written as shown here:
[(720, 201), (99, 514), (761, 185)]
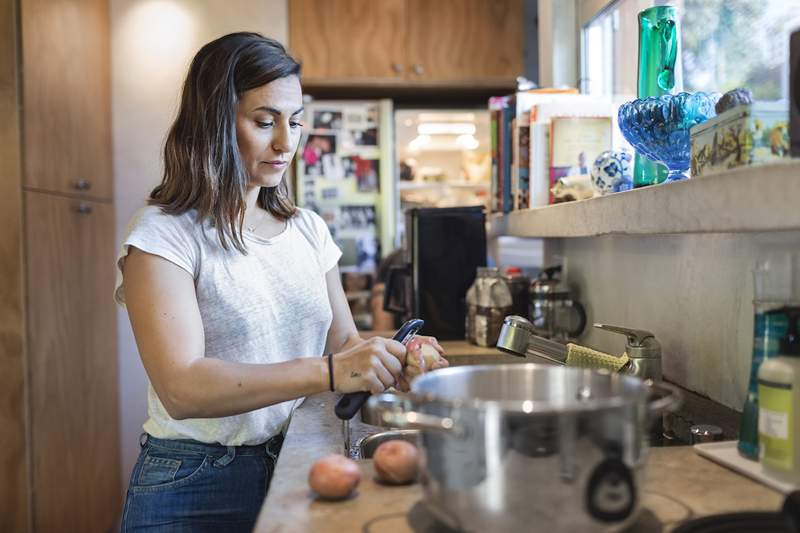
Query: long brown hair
[(203, 169)]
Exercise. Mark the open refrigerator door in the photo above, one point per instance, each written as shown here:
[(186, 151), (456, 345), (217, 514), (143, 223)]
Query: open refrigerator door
[(345, 173), (444, 159)]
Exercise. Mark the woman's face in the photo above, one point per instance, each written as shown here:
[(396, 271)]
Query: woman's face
[(268, 126)]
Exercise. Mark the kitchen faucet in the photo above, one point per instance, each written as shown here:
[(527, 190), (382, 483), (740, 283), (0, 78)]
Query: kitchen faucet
[(517, 337)]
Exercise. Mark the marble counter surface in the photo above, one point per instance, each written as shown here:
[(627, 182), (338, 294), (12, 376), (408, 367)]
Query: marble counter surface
[(679, 484)]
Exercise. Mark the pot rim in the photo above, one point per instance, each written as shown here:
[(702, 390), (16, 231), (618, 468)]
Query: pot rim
[(530, 406)]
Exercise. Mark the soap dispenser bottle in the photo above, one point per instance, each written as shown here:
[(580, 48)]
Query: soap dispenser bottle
[(779, 407)]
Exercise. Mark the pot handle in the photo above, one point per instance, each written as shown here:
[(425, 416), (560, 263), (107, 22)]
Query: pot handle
[(669, 398), (396, 410)]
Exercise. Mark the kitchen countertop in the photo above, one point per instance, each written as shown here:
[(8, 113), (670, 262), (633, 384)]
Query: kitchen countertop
[(679, 484)]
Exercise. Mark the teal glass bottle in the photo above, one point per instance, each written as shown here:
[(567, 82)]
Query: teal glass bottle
[(659, 73), (770, 325)]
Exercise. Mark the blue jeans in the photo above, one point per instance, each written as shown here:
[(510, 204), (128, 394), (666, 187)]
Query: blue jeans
[(188, 486)]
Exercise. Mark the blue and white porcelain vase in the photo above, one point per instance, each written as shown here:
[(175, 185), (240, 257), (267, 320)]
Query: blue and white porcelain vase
[(613, 171)]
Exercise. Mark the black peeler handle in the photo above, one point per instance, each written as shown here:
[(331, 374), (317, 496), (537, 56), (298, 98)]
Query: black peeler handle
[(349, 404)]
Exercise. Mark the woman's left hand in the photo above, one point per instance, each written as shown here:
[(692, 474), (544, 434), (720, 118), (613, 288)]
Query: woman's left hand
[(411, 370)]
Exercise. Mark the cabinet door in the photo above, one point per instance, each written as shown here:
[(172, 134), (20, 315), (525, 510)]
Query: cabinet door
[(463, 41), (72, 363), (66, 96), (348, 41)]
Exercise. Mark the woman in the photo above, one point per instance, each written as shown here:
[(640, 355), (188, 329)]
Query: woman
[(233, 294)]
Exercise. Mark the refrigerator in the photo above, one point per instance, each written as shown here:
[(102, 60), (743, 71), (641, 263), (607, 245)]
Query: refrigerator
[(345, 173), (363, 163)]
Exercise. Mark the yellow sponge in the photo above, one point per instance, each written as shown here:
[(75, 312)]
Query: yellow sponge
[(584, 357)]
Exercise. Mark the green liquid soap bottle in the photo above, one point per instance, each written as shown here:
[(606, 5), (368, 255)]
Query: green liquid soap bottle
[(769, 327), (779, 407)]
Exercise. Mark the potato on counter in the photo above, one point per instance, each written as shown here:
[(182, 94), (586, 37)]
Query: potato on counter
[(334, 477), (396, 462)]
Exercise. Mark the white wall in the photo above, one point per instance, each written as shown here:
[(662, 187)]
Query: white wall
[(153, 42), (695, 292), (558, 43)]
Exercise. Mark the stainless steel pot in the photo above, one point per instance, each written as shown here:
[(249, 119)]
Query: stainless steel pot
[(509, 448)]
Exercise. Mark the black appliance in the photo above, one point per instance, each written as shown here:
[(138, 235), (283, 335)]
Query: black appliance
[(794, 93), (442, 250)]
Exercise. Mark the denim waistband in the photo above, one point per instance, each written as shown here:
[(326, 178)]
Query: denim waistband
[(271, 447)]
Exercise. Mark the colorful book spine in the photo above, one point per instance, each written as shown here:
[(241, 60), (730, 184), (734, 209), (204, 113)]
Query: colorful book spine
[(501, 167), (509, 112), (500, 188), (514, 163), (522, 156), (494, 120)]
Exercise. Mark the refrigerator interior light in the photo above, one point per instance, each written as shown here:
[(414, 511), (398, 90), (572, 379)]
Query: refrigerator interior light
[(419, 142), (446, 128), (468, 142)]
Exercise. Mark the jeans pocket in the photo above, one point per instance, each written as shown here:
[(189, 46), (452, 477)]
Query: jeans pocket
[(160, 471)]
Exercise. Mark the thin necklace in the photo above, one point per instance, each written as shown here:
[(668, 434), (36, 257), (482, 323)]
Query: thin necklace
[(252, 229)]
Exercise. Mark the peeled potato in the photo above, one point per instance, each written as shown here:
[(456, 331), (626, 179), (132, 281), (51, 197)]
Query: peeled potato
[(334, 477), (429, 353), (396, 462)]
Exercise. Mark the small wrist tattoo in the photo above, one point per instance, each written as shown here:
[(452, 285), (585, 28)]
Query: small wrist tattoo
[(355, 374)]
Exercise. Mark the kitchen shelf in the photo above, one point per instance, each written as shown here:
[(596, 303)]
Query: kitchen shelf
[(746, 199)]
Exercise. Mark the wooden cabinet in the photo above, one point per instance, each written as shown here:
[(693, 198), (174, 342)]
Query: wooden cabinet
[(66, 101), (72, 363), (59, 442), (447, 43), (352, 39), (14, 488), (465, 40)]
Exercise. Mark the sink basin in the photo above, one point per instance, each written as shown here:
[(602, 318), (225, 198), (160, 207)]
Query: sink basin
[(368, 445)]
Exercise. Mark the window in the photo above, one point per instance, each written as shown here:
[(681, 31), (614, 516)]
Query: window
[(724, 44), (610, 46)]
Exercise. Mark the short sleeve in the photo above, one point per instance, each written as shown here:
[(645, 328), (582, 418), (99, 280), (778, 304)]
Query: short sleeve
[(329, 252), (167, 236), (319, 236)]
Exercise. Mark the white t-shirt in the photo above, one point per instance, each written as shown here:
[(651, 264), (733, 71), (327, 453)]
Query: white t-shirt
[(268, 306)]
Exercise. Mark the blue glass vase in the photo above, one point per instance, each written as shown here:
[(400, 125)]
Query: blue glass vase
[(659, 126)]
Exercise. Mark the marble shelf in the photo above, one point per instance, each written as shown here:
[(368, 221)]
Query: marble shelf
[(746, 199)]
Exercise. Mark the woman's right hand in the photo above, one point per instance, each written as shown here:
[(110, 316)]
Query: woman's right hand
[(371, 365)]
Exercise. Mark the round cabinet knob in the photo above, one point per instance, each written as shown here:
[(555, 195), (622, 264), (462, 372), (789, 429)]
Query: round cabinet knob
[(82, 185), (419, 70), (397, 67), (83, 209)]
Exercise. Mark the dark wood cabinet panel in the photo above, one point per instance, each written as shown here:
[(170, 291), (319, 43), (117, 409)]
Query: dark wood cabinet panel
[(402, 43), (59, 446), (348, 39), (14, 493), (72, 363), (465, 40), (67, 96)]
